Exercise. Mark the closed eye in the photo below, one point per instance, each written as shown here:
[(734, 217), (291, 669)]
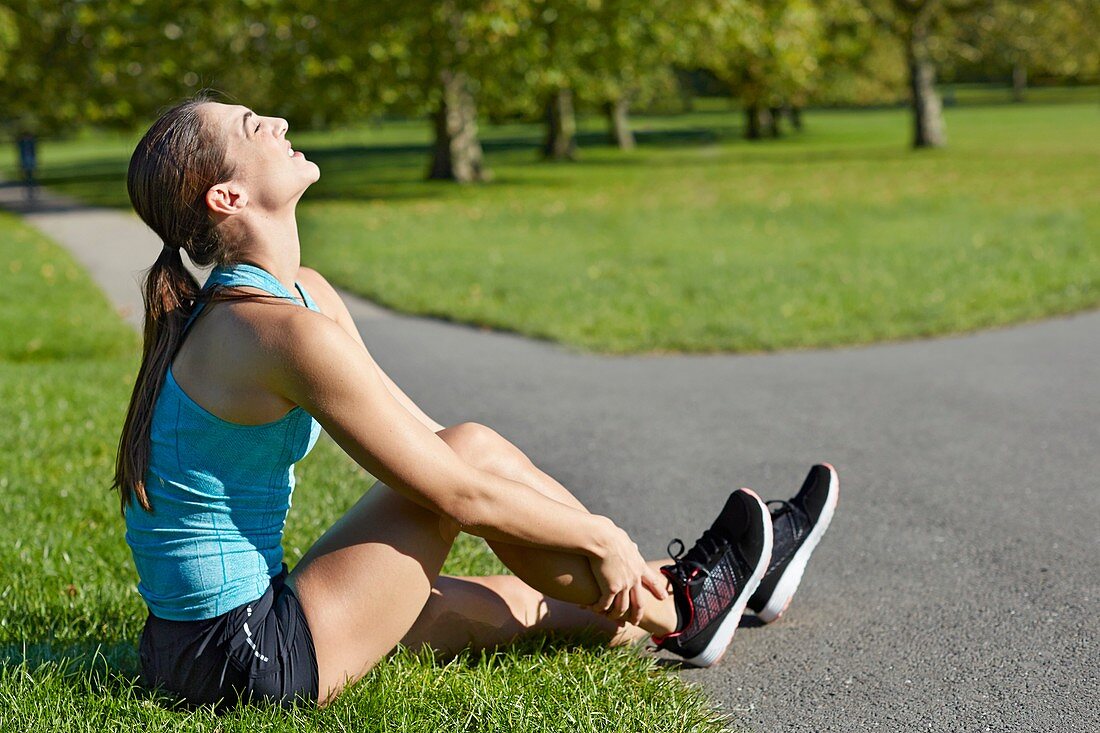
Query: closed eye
[(257, 127)]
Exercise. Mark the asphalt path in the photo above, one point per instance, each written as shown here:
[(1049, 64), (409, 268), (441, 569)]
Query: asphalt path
[(957, 588)]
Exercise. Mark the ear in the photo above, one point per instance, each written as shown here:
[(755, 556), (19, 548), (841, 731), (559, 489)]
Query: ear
[(226, 198)]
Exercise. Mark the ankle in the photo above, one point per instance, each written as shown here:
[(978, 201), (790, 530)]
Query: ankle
[(660, 617)]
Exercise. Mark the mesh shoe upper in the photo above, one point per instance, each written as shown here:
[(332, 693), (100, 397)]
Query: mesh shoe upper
[(710, 579), (792, 523)]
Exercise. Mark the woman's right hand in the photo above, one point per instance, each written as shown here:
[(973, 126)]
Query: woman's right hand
[(623, 576)]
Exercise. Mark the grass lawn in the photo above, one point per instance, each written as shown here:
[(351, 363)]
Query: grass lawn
[(70, 615), (700, 241)]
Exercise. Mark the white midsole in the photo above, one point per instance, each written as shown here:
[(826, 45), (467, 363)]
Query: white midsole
[(724, 635), (792, 576)]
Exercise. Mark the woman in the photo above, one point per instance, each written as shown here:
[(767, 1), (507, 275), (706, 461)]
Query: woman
[(217, 420)]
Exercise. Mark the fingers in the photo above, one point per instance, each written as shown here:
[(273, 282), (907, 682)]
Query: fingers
[(656, 583), (636, 610), (626, 581), (621, 606), (604, 604), (627, 606)]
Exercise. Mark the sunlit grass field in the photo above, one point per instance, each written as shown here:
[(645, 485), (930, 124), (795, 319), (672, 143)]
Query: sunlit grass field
[(70, 615), (700, 241)]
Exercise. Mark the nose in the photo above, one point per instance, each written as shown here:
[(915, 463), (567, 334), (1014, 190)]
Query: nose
[(281, 126)]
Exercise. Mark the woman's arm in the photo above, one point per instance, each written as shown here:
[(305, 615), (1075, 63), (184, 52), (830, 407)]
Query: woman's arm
[(321, 368), (332, 305)]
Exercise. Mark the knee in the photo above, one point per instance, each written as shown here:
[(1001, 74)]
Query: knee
[(481, 446)]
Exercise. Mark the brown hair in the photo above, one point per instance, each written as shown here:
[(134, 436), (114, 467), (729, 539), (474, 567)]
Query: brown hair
[(172, 168)]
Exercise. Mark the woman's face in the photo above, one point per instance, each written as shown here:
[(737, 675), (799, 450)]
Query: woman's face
[(272, 174)]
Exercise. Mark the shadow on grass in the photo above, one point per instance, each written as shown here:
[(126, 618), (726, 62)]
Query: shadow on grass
[(396, 172), (109, 670), (540, 645)]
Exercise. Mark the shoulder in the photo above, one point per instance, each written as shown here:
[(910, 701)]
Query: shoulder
[(328, 300), (308, 355), (296, 340)]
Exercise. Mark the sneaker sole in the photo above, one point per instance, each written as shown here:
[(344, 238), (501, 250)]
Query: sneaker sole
[(792, 576), (722, 638)]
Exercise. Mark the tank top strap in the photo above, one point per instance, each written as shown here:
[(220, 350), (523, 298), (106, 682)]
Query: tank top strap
[(244, 275)]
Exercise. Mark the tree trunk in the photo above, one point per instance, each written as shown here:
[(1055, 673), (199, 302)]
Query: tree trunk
[(760, 122), (1019, 82), (561, 127), (929, 130), (794, 114), (619, 124), (457, 154), (775, 116), (752, 122)]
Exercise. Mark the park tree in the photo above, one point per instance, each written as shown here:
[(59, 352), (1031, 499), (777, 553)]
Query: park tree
[(927, 31), (149, 55), (629, 59), (271, 55), (115, 63), (9, 35), (765, 52), (1052, 38), (789, 66), (433, 58), (46, 86), (859, 64), (556, 38), (309, 59), (608, 54)]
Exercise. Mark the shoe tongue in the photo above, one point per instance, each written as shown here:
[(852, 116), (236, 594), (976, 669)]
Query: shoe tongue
[(788, 512), (787, 527), (705, 548)]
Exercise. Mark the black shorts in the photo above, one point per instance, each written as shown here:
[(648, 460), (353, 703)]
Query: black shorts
[(258, 652)]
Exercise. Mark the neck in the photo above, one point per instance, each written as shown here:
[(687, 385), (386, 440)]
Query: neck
[(272, 245)]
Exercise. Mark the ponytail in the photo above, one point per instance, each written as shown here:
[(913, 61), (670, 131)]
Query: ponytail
[(173, 166), (170, 293)]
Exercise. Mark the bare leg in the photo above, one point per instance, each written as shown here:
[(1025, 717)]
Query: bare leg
[(551, 576), (366, 580), (491, 611)]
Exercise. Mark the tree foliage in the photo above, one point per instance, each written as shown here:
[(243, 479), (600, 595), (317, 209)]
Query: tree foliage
[(1049, 38), (65, 63)]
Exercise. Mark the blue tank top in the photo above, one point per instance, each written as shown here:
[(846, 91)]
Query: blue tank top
[(220, 493)]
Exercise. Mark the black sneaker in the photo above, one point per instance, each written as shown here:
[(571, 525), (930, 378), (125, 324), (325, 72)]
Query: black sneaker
[(712, 582), (798, 525)]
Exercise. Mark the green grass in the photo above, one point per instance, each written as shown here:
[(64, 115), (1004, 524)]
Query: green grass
[(70, 615), (700, 241)]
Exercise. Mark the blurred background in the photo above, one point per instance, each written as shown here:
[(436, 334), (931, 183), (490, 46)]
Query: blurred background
[(697, 175)]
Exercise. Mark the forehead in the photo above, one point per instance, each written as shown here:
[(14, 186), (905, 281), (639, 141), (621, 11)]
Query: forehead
[(229, 117)]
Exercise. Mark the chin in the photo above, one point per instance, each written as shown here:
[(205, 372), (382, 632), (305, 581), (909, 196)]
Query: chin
[(308, 179)]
